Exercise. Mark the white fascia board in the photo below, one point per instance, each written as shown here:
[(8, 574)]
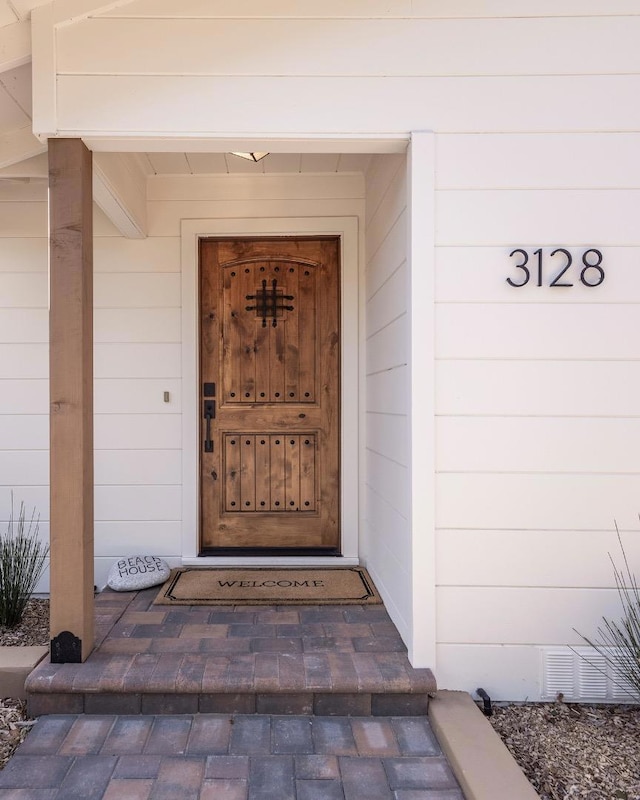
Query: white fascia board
[(129, 143), (15, 45), (120, 189), (19, 145), (43, 72)]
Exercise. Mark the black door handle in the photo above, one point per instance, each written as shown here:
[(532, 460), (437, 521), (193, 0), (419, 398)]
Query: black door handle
[(209, 414)]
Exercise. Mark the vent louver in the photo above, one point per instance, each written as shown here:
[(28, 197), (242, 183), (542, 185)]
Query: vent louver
[(583, 675)]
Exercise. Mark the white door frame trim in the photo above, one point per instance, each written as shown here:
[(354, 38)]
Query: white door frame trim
[(421, 248), (192, 230)]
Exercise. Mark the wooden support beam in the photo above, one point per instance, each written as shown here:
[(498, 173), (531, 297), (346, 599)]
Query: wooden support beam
[(71, 395)]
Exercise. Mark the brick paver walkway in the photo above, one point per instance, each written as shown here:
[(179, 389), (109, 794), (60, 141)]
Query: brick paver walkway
[(222, 757)]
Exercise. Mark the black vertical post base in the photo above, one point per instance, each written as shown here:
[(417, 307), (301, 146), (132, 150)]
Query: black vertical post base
[(66, 649)]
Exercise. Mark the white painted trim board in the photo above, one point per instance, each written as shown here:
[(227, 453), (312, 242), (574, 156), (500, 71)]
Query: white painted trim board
[(192, 230)]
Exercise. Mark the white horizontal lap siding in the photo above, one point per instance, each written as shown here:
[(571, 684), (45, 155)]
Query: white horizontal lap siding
[(138, 504), (367, 9), (164, 217), (510, 67), (551, 217), (133, 360), (564, 331), (226, 188), (22, 221), (535, 444), (381, 47), (24, 357), (386, 535), (24, 361), (24, 467), (25, 325), (532, 501), (543, 558), (130, 431), (523, 615), (330, 105), (139, 290), (140, 325), (386, 349), (388, 435), (24, 431), (157, 255), (538, 391), (538, 161), (137, 358), (538, 388), (23, 255)]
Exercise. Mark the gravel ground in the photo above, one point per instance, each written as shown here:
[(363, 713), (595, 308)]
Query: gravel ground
[(575, 751), (34, 629), (14, 726)]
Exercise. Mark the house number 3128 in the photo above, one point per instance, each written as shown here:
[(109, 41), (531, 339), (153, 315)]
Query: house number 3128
[(590, 271)]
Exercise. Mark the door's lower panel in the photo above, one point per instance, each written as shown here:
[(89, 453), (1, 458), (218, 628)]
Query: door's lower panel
[(274, 472)]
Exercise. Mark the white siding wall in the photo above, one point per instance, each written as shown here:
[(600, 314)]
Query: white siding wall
[(538, 400), (24, 355), (138, 491), (328, 68), (386, 530), (137, 354)]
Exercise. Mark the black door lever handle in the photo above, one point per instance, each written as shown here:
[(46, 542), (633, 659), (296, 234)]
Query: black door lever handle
[(209, 414)]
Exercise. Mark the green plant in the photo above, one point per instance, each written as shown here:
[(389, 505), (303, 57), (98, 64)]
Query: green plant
[(22, 560), (619, 642)]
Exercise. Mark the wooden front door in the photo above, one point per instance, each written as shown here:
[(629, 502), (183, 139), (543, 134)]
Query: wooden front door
[(269, 395)]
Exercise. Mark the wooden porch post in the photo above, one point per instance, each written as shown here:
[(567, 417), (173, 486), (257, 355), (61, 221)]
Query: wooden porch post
[(71, 396)]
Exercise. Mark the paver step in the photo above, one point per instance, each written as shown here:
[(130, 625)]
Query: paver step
[(270, 659)]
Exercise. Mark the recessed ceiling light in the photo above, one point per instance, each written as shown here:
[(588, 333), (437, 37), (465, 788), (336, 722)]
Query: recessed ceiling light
[(255, 157)]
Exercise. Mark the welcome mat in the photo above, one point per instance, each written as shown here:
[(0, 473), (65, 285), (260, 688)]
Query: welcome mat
[(262, 585)]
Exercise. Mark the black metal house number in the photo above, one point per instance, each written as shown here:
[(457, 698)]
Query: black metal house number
[(591, 274)]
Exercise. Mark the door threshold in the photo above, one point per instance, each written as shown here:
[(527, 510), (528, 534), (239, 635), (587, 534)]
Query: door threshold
[(270, 561), (270, 551)]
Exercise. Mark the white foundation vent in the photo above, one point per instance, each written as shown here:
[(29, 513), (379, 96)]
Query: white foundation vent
[(583, 675)]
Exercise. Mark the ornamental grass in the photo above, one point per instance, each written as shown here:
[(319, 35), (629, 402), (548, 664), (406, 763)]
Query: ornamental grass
[(618, 642), (22, 562)]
